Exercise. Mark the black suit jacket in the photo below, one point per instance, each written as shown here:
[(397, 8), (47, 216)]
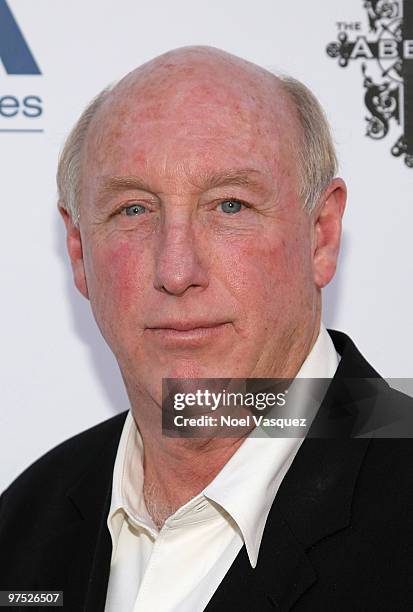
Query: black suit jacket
[(339, 535)]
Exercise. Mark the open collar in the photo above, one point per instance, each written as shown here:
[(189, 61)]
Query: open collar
[(314, 501)]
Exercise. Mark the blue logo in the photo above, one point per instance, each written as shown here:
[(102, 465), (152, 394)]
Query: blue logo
[(14, 50)]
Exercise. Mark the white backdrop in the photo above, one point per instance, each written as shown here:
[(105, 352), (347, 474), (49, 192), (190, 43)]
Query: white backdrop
[(58, 377)]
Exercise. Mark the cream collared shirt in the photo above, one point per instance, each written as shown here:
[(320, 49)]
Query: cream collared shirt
[(178, 568)]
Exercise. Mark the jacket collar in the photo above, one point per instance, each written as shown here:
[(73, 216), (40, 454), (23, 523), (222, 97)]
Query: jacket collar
[(91, 497), (314, 500)]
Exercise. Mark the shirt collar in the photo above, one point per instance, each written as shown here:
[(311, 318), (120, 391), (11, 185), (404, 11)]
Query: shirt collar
[(127, 488), (260, 462)]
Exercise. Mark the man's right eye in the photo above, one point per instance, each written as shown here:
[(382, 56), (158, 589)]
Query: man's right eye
[(133, 210)]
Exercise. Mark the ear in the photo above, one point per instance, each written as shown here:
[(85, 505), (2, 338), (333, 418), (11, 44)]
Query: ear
[(74, 249), (327, 231)]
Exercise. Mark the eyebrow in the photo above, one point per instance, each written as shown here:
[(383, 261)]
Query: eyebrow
[(115, 184), (248, 177)]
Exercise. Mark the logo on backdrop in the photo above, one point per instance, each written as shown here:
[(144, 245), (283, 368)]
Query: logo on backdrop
[(385, 56), (15, 53), (17, 112)]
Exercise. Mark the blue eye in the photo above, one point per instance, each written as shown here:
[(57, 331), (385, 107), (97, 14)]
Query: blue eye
[(231, 206), (134, 209)]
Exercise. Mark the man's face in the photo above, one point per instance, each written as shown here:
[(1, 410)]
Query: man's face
[(196, 250)]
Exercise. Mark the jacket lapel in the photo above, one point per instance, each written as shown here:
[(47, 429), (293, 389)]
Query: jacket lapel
[(91, 496), (314, 500)]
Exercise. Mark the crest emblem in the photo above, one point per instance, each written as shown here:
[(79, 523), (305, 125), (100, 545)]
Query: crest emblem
[(386, 57)]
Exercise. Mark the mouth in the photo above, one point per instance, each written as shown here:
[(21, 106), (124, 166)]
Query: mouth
[(192, 333)]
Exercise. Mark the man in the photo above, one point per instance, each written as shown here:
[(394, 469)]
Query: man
[(203, 219)]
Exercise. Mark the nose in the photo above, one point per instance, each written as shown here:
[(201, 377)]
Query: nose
[(179, 261)]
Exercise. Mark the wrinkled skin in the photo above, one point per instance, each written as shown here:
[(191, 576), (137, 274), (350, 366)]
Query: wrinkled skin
[(174, 123), (159, 248)]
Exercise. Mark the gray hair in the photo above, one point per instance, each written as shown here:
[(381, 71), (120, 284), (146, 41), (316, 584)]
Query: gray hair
[(317, 161), (70, 159)]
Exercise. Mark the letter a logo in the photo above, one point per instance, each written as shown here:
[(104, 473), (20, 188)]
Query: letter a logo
[(14, 50)]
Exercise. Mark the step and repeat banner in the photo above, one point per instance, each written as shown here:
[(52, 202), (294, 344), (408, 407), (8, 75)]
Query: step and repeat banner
[(58, 376)]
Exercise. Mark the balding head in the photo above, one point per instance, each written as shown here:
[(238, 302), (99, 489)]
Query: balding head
[(193, 245), (201, 76), (188, 86)]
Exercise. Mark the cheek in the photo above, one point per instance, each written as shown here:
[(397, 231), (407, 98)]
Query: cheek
[(116, 278), (268, 276)]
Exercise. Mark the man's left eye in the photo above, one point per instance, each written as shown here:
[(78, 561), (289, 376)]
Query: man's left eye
[(134, 209), (231, 206)]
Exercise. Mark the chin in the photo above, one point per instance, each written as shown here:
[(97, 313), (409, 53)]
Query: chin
[(189, 369)]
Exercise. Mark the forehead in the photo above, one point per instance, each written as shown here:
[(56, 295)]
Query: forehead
[(199, 119)]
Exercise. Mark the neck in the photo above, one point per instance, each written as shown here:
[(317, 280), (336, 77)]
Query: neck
[(178, 469)]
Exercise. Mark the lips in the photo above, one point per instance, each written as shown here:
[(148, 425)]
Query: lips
[(181, 326), (185, 334)]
